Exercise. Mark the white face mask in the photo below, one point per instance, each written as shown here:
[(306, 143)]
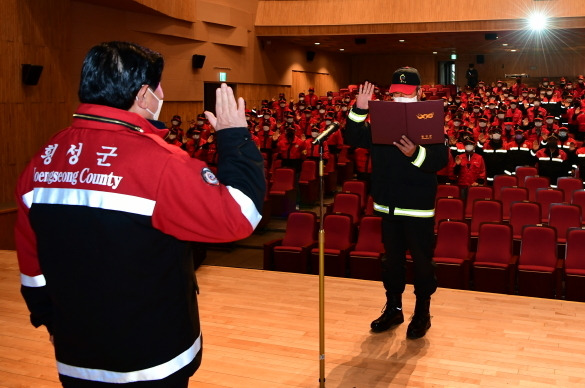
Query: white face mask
[(321, 111), (160, 103), (175, 122), (469, 148), (344, 108), (406, 99), (538, 124), (549, 121), (482, 124), (314, 134), (327, 122), (266, 128), (501, 115), (195, 137), (496, 136), (562, 133), (289, 120)]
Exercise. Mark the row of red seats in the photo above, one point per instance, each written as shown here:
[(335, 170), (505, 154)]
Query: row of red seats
[(537, 271), (492, 266), (347, 253)]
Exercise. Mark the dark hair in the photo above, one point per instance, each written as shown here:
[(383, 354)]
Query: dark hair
[(114, 72)]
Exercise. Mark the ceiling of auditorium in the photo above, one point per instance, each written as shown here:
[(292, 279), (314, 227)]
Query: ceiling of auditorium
[(473, 42)]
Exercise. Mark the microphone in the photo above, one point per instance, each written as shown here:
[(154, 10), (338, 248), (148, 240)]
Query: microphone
[(334, 126)]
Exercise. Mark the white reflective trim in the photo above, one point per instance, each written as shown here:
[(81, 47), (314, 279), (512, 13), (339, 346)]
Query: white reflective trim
[(581, 155), (33, 281), (28, 198), (247, 206), (488, 151), (490, 179), (155, 373), (557, 160), (507, 172), (545, 158), (356, 117), (513, 148), (414, 212), (553, 186), (501, 151), (96, 199), (420, 158), (381, 208)]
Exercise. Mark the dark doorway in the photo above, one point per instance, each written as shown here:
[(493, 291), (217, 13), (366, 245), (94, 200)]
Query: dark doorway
[(209, 94), (447, 73)]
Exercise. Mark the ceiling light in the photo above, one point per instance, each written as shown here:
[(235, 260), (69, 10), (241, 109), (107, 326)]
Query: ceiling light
[(341, 49), (504, 44), (434, 52), (401, 40), (317, 43), (513, 50)]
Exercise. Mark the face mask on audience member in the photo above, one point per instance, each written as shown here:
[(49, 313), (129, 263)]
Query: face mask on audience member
[(321, 111), (538, 123), (469, 148), (492, 106), (537, 103), (289, 119), (301, 107), (266, 117), (549, 121), (196, 136), (457, 123), (496, 136), (301, 98), (266, 128), (308, 115), (344, 108), (501, 116), (314, 133), (482, 124), (175, 122), (475, 110), (327, 122), (513, 106), (563, 133), (199, 122)]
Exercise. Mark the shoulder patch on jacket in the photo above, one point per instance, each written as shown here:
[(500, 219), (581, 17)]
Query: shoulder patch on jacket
[(209, 177)]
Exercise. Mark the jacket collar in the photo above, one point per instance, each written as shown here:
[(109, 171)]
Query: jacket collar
[(105, 117)]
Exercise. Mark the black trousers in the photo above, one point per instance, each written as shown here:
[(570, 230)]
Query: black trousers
[(417, 236)]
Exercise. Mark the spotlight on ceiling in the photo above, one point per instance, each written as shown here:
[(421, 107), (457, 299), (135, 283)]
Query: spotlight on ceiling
[(537, 21)]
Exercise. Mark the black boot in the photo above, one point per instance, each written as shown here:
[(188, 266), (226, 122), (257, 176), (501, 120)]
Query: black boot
[(421, 320), (391, 315)]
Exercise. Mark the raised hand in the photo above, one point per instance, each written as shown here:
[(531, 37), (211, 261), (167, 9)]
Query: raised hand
[(229, 114), (364, 95)]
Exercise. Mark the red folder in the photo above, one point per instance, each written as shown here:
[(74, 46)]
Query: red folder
[(422, 121)]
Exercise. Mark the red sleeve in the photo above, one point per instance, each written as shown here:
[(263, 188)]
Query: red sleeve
[(205, 211)]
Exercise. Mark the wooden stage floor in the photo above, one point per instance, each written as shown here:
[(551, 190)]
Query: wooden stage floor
[(261, 330)]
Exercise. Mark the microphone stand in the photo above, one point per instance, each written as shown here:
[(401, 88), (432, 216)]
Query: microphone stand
[(321, 274)]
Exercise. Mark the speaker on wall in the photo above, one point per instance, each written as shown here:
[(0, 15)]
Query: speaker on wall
[(480, 59), (197, 61), (310, 56), (360, 40), (31, 74), (491, 36)]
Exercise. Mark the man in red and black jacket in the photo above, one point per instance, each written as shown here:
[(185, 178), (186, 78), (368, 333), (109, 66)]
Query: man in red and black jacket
[(107, 211), (404, 184)]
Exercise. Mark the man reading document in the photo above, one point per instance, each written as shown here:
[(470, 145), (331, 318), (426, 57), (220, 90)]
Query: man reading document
[(404, 184)]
